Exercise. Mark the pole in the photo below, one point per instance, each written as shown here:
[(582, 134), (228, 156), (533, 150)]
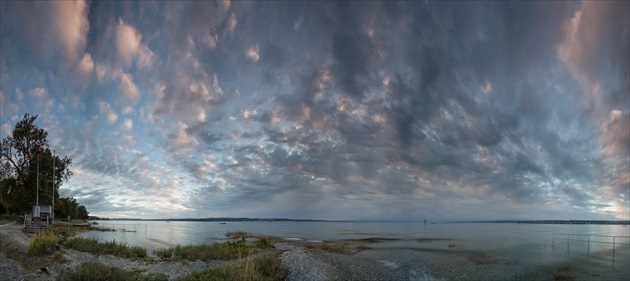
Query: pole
[(37, 198), (53, 188)]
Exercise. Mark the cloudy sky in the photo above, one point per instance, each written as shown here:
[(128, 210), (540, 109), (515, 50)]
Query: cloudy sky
[(368, 110)]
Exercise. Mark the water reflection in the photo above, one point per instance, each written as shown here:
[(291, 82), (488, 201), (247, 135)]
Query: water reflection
[(527, 243)]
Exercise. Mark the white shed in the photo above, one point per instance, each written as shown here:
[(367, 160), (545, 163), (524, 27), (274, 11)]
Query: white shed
[(45, 211)]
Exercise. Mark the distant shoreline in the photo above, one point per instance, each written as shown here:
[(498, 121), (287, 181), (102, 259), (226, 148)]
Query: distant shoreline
[(597, 222)]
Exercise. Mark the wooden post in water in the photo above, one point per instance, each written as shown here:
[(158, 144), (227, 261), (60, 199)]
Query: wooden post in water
[(588, 245), (553, 237), (613, 248)]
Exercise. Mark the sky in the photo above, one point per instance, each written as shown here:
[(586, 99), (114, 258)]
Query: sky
[(308, 109)]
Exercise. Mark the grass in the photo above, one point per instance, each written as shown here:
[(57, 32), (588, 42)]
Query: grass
[(238, 235), (376, 239), (98, 272), (44, 243), (112, 248), (563, 275), (342, 247), (221, 251), (70, 230), (267, 267), (58, 257), (11, 217), (482, 258)]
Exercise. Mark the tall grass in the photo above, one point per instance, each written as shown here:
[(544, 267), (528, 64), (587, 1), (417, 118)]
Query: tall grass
[(222, 251), (340, 247), (70, 230), (267, 267), (44, 243), (238, 234), (112, 248), (98, 272)]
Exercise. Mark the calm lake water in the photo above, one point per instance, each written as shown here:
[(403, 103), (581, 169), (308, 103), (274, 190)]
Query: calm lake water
[(525, 243)]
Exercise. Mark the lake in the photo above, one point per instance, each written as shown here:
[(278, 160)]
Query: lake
[(488, 236), (525, 244)]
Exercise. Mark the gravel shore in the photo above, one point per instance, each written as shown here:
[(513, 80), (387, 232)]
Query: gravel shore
[(306, 262)]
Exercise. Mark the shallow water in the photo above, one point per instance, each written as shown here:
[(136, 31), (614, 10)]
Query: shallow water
[(528, 245)]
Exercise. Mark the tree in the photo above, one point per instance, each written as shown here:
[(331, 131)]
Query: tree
[(68, 206), (82, 213), (19, 154)]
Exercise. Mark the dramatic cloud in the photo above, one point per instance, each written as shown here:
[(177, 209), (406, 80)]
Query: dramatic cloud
[(127, 42), (372, 110), (70, 22)]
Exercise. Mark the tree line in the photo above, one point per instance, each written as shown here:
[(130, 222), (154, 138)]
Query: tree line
[(26, 159)]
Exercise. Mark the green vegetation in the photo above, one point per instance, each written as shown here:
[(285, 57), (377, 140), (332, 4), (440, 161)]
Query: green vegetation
[(58, 257), (112, 248), (267, 267), (44, 243), (98, 272), (220, 251), (68, 206), (20, 154), (265, 242), (479, 257), (11, 217), (238, 235), (340, 247), (377, 239), (563, 273)]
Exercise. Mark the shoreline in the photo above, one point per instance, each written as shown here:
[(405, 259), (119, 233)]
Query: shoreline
[(307, 262)]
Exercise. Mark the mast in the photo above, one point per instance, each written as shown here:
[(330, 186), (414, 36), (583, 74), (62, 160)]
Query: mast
[(53, 189), (37, 186)]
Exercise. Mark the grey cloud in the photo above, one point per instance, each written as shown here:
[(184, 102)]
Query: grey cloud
[(615, 150), (417, 100), (375, 104)]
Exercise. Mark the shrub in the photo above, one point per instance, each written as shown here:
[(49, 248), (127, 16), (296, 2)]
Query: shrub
[(482, 258), (238, 234), (221, 251), (44, 243), (97, 272), (58, 257), (112, 248), (266, 267), (270, 266), (563, 275), (101, 272), (343, 247), (263, 243)]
